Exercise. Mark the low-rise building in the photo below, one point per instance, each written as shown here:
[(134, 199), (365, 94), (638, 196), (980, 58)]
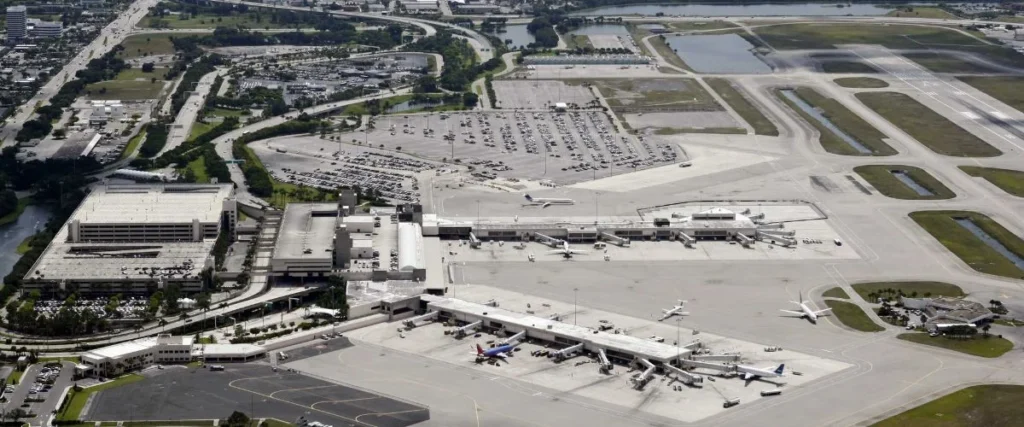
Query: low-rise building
[(129, 356), (947, 311)]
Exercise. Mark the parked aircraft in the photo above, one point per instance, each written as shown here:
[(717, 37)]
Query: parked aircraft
[(806, 311), (499, 352), (751, 373), (566, 252), (545, 201), (674, 311)]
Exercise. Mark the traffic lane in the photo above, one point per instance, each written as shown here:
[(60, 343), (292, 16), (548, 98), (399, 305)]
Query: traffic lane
[(63, 381), (17, 398)]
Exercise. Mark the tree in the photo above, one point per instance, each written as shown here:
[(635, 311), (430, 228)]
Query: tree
[(147, 67), (986, 328), (236, 419)]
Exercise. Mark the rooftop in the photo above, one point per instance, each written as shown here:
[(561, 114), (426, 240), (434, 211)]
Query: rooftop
[(307, 231), (120, 261), (153, 203)]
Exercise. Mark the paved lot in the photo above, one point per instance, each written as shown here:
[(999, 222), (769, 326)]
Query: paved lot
[(184, 393), (49, 404)]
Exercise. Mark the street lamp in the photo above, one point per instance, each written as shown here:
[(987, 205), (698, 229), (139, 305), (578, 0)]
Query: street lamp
[(574, 291)]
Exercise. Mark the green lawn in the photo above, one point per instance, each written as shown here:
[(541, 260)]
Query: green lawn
[(676, 131), (849, 67), (836, 292), (1008, 180), (133, 143), (199, 128), (224, 112), (1008, 90), (921, 12), (199, 169), (13, 216), (912, 289), (137, 73), (184, 423), (662, 48), (247, 20), (751, 114), (678, 93), (78, 399), (15, 376), (574, 41), (124, 90), (700, 26), (147, 45), (827, 35), (845, 120), (284, 193), (926, 126), (882, 178), (942, 63), (969, 248), (980, 346), (994, 405), (852, 316), (25, 245), (861, 83)]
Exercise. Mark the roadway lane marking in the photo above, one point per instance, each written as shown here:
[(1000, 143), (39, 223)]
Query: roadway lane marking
[(999, 115), (970, 115)]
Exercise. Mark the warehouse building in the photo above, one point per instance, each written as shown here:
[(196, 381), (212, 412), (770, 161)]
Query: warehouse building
[(137, 238)]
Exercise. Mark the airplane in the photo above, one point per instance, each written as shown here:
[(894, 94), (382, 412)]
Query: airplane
[(545, 201), (806, 311), (566, 252), (751, 373), (674, 311), (500, 352)]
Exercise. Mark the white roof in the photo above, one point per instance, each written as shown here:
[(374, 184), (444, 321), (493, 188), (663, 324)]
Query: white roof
[(153, 203), (228, 350), (359, 219), (307, 231), (123, 349), (410, 246)]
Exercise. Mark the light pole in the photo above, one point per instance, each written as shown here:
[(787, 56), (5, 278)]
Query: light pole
[(679, 320), (574, 291)]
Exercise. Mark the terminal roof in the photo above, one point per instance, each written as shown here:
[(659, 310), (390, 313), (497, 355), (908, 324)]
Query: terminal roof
[(153, 203)]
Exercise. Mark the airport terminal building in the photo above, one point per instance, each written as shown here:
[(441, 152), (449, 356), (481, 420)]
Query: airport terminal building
[(136, 239)]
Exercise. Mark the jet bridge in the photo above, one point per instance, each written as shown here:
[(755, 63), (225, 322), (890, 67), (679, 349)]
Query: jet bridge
[(461, 332), (513, 338), (602, 357), (707, 365), (623, 242), (420, 320), (474, 242), (568, 352), (685, 377), (548, 240), (688, 240), (717, 357), (744, 240), (779, 239), (641, 379)]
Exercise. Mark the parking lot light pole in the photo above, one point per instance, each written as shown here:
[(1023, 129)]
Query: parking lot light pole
[(574, 291)]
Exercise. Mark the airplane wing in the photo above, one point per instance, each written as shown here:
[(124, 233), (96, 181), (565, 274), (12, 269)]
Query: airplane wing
[(825, 312), (546, 204), (795, 313), (501, 355), (747, 376), (577, 251), (666, 310), (556, 252)]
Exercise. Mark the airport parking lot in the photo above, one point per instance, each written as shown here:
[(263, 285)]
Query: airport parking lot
[(40, 389), (194, 393), (559, 147)]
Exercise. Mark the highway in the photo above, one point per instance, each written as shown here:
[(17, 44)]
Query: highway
[(182, 126), (110, 36)]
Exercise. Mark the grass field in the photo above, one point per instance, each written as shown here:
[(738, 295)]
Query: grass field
[(921, 12), (78, 399), (25, 245), (573, 41), (199, 169), (147, 45), (683, 93), (224, 112), (881, 177), (941, 63), (980, 346), (199, 128), (852, 316), (209, 21), (972, 250), (1008, 90), (861, 83), (1008, 180), (845, 120), (13, 216), (836, 292), (124, 90), (666, 52), (676, 131), (137, 73), (751, 114), (926, 126), (912, 289), (827, 35), (15, 376), (852, 67), (133, 143), (978, 406)]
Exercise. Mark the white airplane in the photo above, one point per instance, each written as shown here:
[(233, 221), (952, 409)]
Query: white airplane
[(806, 311), (565, 252), (674, 311), (545, 201), (751, 373)]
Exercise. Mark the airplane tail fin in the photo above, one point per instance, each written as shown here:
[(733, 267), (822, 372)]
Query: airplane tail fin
[(528, 198), (780, 369), (801, 297), (479, 350)]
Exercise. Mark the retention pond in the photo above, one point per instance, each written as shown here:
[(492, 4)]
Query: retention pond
[(813, 112), (907, 180), (992, 242)]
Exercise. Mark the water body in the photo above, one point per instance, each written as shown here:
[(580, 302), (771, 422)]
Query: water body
[(409, 105), (991, 241), (721, 53), (517, 34), (806, 9), (905, 178), (601, 30), (792, 96), (31, 220)]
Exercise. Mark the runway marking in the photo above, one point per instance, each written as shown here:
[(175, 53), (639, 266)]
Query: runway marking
[(303, 388), (387, 414), (344, 400), (232, 385)]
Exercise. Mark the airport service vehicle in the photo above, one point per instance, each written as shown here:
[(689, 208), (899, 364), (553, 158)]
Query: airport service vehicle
[(216, 367), (565, 252), (677, 310), (806, 311), (731, 402), (546, 201), (499, 352), (751, 373), (774, 392)]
